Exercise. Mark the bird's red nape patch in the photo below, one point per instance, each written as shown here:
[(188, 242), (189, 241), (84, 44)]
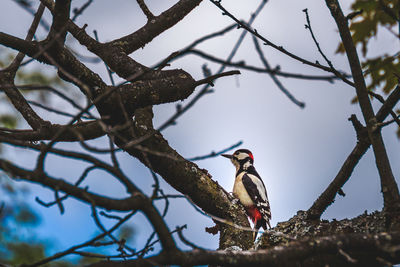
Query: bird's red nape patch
[(251, 156), (254, 214)]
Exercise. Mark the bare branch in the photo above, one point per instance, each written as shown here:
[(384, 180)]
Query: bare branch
[(276, 71), (156, 26), (204, 90), (79, 11), (126, 204), (269, 43), (328, 196), (85, 244), (389, 186), (215, 154), (70, 133), (145, 9), (273, 77), (209, 80)]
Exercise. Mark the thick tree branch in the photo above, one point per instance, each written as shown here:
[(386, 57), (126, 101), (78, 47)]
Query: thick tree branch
[(328, 196), (388, 184), (69, 67), (187, 178), (137, 201), (168, 88), (155, 26), (365, 249), (58, 29), (76, 132)]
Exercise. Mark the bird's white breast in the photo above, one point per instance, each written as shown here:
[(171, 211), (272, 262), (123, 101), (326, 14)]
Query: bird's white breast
[(240, 192)]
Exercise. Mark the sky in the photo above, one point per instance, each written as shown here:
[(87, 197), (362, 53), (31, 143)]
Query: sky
[(297, 151)]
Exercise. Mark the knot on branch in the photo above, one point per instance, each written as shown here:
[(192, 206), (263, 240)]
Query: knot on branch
[(361, 130)]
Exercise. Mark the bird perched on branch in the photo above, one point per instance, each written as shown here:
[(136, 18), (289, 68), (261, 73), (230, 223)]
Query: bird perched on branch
[(250, 189)]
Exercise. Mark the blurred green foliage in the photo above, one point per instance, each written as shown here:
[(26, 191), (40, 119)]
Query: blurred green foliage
[(8, 121), (374, 13), (18, 244), (376, 16), (126, 232), (18, 241)]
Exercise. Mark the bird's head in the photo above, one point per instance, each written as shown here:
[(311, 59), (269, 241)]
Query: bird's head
[(241, 158)]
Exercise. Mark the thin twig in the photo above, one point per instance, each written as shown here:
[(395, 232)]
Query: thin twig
[(79, 11), (276, 71), (209, 80), (145, 9), (205, 88), (179, 230), (273, 76), (215, 154), (308, 26), (82, 245), (277, 47)]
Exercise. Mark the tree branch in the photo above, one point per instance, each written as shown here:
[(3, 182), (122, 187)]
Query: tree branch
[(71, 133), (279, 48), (364, 248), (215, 154), (145, 9), (126, 204), (155, 26), (273, 77), (196, 183), (205, 88), (388, 183), (19, 101), (211, 78), (328, 196), (58, 29)]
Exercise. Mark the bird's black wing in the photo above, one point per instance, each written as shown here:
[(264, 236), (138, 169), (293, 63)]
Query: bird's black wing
[(257, 192)]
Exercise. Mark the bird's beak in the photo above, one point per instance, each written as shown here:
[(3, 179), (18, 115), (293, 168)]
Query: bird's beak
[(227, 156)]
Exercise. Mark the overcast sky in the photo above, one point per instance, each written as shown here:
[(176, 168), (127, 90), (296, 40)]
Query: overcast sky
[(297, 151)]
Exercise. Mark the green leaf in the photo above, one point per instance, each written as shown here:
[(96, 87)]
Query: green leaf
[(381, 70), (27, 216), (127, 232), (365, 26), (8, 120), (25, 252)]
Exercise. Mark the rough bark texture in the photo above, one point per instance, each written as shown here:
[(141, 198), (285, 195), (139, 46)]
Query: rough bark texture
[(300, 227), (127, 118), (188, 178)]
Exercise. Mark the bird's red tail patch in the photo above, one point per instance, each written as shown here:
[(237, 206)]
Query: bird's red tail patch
[(254, 214)]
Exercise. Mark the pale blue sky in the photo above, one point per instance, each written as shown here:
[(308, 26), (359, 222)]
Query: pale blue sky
[(297, 152)]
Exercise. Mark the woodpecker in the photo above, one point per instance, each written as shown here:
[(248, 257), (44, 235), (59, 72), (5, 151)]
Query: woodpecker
[(250, 189)]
